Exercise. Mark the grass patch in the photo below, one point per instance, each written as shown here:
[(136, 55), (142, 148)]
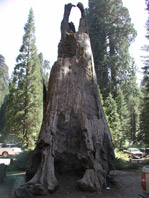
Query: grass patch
[(121, 164), (21, 160), (12, 168), (120, 154)]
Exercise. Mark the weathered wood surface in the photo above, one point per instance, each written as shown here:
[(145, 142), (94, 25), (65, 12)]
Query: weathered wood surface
[(74, 136)]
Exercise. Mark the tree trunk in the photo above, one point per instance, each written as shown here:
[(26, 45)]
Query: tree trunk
[(74, 136)]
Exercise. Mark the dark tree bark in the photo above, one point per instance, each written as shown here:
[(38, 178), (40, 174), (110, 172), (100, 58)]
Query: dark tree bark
[(74, 136)]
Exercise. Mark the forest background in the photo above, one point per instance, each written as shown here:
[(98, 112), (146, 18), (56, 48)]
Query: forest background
[(126, 104)]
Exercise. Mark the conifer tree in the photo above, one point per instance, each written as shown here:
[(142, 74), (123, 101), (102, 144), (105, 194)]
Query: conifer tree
[(26, 89), (113, 120), (4, 79), (45, 70), (144, 135), (111, 33), (123, 112), (133, 96), (13, 114), (145, 90)]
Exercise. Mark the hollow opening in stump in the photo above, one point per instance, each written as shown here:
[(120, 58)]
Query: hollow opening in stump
[(74, 18)]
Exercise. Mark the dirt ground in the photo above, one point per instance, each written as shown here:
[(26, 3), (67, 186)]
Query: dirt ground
[(127, 185)]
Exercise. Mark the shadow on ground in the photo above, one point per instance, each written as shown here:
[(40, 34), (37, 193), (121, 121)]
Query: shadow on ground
[(127, 184)]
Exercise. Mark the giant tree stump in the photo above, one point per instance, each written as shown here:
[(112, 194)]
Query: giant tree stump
[(74, 136)]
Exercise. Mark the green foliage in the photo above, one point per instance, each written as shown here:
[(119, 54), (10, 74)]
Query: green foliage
[(21, 160), (113, 119), (145, 117), (127, 108), (45, 70), (3, 92), (101, 98), (133, 98), (120, 154), (145, 90), (12, 168), (123, 118), (120, 162), (25, 101), (111, 33)]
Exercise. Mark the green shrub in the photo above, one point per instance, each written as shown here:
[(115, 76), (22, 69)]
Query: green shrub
[(21, 160), (120, 154), (12, 168), (121, 164)]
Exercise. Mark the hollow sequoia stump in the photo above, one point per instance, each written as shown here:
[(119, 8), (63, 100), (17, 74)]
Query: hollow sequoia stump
[(74, 136)]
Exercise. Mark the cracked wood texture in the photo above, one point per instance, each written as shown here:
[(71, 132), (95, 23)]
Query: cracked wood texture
[(74, 136)]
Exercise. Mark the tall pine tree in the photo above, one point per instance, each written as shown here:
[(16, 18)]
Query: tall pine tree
[(25, 101), (45, 69), (4, 80), (133, 96), (145, 90), (45, 72), (111, 33), (123, 118), (113, 120)]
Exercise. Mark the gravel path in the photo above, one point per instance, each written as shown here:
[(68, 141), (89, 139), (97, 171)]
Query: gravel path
[(127, 185)]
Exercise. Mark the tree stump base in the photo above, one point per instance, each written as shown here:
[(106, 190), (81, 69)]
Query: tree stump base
[(74, 136)]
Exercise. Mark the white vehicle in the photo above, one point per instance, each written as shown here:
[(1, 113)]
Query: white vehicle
[(135, 152), (9, 150)]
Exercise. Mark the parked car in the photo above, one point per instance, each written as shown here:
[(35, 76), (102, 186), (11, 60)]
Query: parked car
[(134, 152), (9, 150), (145, 152)]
